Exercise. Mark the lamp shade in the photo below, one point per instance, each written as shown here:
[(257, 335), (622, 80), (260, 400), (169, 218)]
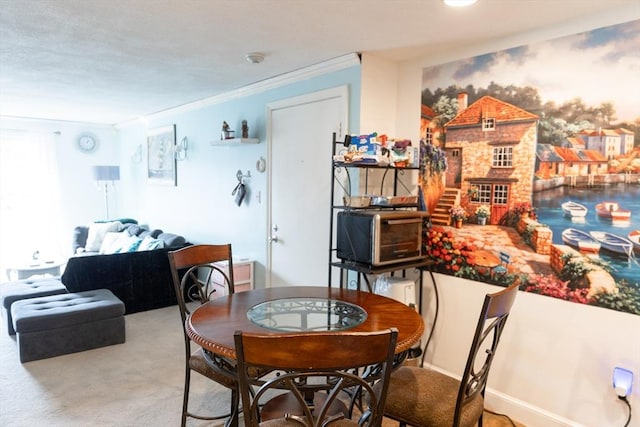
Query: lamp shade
[(106, 173)]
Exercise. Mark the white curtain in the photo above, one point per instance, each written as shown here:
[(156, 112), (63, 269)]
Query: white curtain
[(30, 202)]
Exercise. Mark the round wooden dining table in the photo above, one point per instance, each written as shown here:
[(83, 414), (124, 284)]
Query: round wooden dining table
[(300, 308)]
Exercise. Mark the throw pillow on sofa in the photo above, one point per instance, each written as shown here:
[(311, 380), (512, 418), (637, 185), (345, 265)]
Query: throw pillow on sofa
[(172, 240), (112, 242), (133, 229), (96, 234), (117, 243), (131, 244), (151, 233), (148, 243)]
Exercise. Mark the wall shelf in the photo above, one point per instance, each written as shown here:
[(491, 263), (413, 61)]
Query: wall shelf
[(235, 141)]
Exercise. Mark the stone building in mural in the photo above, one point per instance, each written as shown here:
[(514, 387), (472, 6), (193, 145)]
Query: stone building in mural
[(491, 154)]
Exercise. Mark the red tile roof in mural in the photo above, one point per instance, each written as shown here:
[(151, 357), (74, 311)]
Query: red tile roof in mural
[(575, 142), (604, 132), (490, 107), (427, 112), (547, 153), (575, 155), (623, 130), (568, 154), (594, 155)]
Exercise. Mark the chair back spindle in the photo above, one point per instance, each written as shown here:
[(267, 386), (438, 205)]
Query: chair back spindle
[(312, 364)]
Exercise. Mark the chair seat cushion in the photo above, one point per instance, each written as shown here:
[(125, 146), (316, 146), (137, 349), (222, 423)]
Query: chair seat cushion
[(199, 363), (425, 397)]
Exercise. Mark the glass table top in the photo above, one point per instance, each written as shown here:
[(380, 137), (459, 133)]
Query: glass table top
[(306, 314)]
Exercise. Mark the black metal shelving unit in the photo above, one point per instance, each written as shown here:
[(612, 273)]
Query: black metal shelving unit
[(363, 270)]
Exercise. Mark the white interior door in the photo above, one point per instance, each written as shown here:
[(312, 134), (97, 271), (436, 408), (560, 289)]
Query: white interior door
[(300, 131)]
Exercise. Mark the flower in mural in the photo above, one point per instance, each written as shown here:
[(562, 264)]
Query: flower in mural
[(458, 213), (449, 254), (483, 211), (432, 159), (552, 286), (525, 208), (473, 192)]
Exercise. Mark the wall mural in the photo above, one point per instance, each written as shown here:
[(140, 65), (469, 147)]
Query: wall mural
[(530, 167)]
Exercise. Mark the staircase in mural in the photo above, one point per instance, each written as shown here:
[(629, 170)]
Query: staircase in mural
[(449, 198)]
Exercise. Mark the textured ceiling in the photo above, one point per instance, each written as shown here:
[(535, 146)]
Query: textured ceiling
[(110, 61)]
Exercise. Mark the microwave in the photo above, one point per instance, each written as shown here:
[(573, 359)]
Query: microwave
[(379, 237)]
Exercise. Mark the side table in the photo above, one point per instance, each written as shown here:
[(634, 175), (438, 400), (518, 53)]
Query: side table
[(19, 272), (242, 275)]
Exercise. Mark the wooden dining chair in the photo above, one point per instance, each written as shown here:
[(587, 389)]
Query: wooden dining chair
[(315, 376), (426, 398), (193, 270)]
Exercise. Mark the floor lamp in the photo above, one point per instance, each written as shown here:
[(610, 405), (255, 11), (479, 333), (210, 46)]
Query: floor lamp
[(105, 176)]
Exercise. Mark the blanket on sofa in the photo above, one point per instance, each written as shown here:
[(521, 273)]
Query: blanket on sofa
[(138, 275)]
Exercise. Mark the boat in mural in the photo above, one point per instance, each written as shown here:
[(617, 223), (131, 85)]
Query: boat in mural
[(580, 240), (634, 236), (574, 209), (613, 211), (613, 242)]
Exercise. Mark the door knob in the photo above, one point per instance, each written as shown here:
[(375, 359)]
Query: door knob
[(273, 239)]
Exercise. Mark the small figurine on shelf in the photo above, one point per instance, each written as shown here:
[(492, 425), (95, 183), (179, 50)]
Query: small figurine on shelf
[(227, 132), (245, 129)]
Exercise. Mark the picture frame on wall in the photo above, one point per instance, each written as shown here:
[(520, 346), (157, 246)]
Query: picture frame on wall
[(161, 162)]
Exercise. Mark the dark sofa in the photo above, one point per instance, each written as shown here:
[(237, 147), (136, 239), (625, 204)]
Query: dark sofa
[(141, 280)]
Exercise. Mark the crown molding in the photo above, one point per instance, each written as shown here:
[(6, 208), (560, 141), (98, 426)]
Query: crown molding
[(335, 64)]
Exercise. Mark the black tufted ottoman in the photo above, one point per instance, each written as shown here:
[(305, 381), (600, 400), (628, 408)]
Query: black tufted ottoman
[(11, 292), (61, 324)]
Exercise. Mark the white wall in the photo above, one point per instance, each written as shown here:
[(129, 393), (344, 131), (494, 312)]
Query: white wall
[(556, 359), (201, 206), (379, 92)]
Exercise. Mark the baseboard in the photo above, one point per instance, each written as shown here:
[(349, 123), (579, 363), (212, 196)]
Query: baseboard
[(516, 409), (523, 412)]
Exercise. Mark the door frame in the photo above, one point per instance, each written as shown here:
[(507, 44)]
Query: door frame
[(341, 92)]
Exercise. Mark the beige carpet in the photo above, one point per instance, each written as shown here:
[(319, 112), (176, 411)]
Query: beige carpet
[(138, 383)]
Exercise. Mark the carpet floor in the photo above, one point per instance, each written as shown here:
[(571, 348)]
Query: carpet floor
[(138, 383)]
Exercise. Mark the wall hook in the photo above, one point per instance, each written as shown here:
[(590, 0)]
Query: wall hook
[(240, 176)]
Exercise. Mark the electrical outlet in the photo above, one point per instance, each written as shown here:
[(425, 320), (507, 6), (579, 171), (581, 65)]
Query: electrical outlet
[(622, 381)]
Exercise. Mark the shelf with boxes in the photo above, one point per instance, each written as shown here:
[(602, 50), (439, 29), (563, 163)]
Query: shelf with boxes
[(377, 229)]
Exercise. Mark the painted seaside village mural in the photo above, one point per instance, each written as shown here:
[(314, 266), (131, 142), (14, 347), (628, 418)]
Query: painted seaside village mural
[(530, 167)]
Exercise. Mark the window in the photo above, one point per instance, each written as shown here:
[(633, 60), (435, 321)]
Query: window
[(29, 198), (429, 136), (488, 124), (502, 157), (455, 153), (484, 194), (480, 193), (500, 194)]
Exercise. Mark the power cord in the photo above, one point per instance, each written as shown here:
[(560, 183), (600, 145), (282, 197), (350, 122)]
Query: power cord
[(501, 415), (435, 317), (625, 400)]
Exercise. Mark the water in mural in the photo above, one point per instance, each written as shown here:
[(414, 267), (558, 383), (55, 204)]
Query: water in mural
[(549, 204)]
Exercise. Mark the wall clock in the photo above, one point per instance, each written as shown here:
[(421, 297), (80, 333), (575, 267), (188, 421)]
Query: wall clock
[(87, 143)]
